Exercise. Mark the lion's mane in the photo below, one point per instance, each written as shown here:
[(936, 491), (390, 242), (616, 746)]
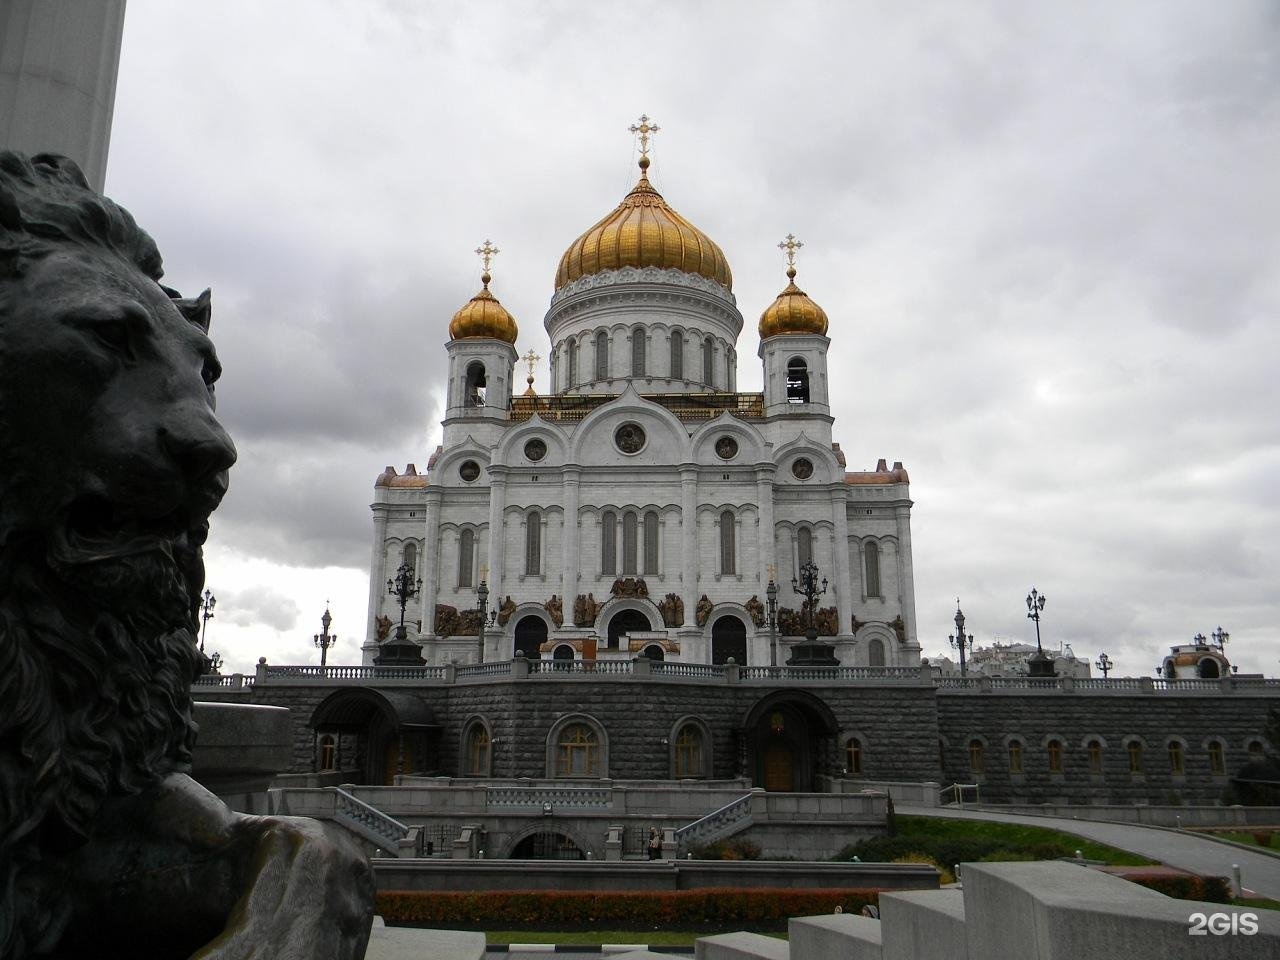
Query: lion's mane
[(96, 654)]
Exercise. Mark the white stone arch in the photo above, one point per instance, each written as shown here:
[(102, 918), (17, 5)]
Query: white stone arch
[(875, 631), (445, 471), (757, 639), (615, 605), (753, 448), (510, 449), (554, 826), (593, 439), (826, 468), (553, 742)]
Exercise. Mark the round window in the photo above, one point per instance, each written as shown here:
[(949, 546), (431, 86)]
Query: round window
[(469, 470), (535, 449), (629, 437), (802, 468), (726, 448)]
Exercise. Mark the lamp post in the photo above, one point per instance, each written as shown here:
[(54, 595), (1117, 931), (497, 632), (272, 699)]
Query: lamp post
[(1038, 665), (1105, 665), (960, 641), (207, 603), (771, 615), (215, 663), (324, 640), (487, 619), (811, 653), (1220, 638), (401, 651)]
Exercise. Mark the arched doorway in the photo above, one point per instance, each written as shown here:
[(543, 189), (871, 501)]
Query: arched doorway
[(383, 733), (562, 652), (1207, 669), (547, 846), (626, 621), (530, 635), (786, 734), (653, 652), (729, 639)]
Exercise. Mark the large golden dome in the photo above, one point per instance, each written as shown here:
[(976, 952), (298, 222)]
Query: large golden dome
[(643, 231), (792, 312), (483, 316)]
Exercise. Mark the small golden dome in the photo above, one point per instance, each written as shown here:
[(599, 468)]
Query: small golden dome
[(792, 312), (643, 231), (483, 316)]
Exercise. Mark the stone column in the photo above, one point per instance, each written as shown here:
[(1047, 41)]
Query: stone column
[(497, 533), (58, 66), (767, 548), (569, 553), (689, 541), (430, 564), (906, 576), (840, 556), (377, 579)]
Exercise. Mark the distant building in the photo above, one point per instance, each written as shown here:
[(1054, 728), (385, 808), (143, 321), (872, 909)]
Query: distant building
[(1009, 660)]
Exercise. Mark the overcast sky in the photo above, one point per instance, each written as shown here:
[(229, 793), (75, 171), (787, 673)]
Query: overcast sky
[(1047, 237)]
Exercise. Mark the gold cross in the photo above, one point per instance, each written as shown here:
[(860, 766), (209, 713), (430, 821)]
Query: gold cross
[(531, 358), (486, 253), (790, 245), (644, 129)]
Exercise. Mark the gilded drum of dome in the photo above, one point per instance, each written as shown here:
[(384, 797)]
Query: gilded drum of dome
[(483, 316), (792, 312), (644, 232)]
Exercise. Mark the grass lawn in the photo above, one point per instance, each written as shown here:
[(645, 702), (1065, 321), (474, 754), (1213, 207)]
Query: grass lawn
[(1261, 903), (957, 841), (1241, 836)]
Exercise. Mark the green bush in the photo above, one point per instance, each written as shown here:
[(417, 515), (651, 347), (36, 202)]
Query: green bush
[(735, 848), (570, 909), (1210, 889)]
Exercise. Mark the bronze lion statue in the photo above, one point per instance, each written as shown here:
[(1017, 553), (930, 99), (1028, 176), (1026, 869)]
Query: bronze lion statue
[(112, 461)]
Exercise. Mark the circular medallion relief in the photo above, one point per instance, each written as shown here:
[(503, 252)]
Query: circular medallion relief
[(629, 437), (726, 448), (535, 449), (469, 470), (802, 467)]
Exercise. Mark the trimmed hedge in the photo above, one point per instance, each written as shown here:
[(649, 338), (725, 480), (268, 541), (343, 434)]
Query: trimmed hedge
[(584, 908), (1210, 889)]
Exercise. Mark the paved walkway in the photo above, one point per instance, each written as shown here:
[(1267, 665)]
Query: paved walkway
[(1178, 848)]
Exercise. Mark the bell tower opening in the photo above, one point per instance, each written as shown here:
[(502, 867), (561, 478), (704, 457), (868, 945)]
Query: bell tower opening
[(797, 381), (476, 384)]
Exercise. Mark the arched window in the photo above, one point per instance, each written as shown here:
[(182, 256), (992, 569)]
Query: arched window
[(728, 563), (602, 356), (1217, 764), (708, 361), (871, 560), (410, 557), (875, 652), (1207, 669), (677, 355), (1015, 756), (529, 636), (328, 752), (479, 751), (1055, 756), (476, 384), (1175, 758), (797, 381), (1255, 749), (853, 755), (571, 364), (629, 537), (637, 351), (563, 652), (804, 547), (1095, 758), (1135, 756), (975, 756), (688, 752), (533, 544), (577, 751), (608, 543), (651, 543), (466, 557)]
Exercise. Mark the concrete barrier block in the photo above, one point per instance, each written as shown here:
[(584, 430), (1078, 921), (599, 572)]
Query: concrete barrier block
[(923, 925), (1055, 911), (741, 946), (838, 936), (403, 943)]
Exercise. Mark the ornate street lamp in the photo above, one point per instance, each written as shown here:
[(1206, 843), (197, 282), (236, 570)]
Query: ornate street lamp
[(960, 641), (1105, 665), (771, 616), (811, 653), (1038, 664), (401, 651), (1220, 638), (323, 640), (215, 663), (207, 603)]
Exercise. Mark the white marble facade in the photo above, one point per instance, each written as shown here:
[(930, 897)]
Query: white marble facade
[(633, 467)]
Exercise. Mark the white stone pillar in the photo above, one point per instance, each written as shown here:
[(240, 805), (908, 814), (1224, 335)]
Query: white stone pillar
[(497, 532), (906, 575), (689, 541), (430, 565), (767, 551), (377, 577), (840, 556), (58, 66), (569, 553)]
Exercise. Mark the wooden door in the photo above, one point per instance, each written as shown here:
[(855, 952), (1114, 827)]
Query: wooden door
[(779, 775)]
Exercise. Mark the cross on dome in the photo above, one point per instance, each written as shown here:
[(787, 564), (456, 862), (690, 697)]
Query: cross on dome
[(644, 129), (531, 358), (486, 252), (790, 245)]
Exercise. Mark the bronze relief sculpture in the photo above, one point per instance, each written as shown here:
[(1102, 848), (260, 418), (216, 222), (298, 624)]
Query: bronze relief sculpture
[(113, 461)]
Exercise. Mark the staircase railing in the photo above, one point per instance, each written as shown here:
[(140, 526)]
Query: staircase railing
[(957, 793), (714, 824), (375, 826)]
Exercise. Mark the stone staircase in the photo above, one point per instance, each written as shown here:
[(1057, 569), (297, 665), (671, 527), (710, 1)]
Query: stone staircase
[(734, 817), (1049, 910), (370, 824)]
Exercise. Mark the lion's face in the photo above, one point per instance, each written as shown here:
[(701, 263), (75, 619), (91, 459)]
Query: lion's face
[(114, 456)]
